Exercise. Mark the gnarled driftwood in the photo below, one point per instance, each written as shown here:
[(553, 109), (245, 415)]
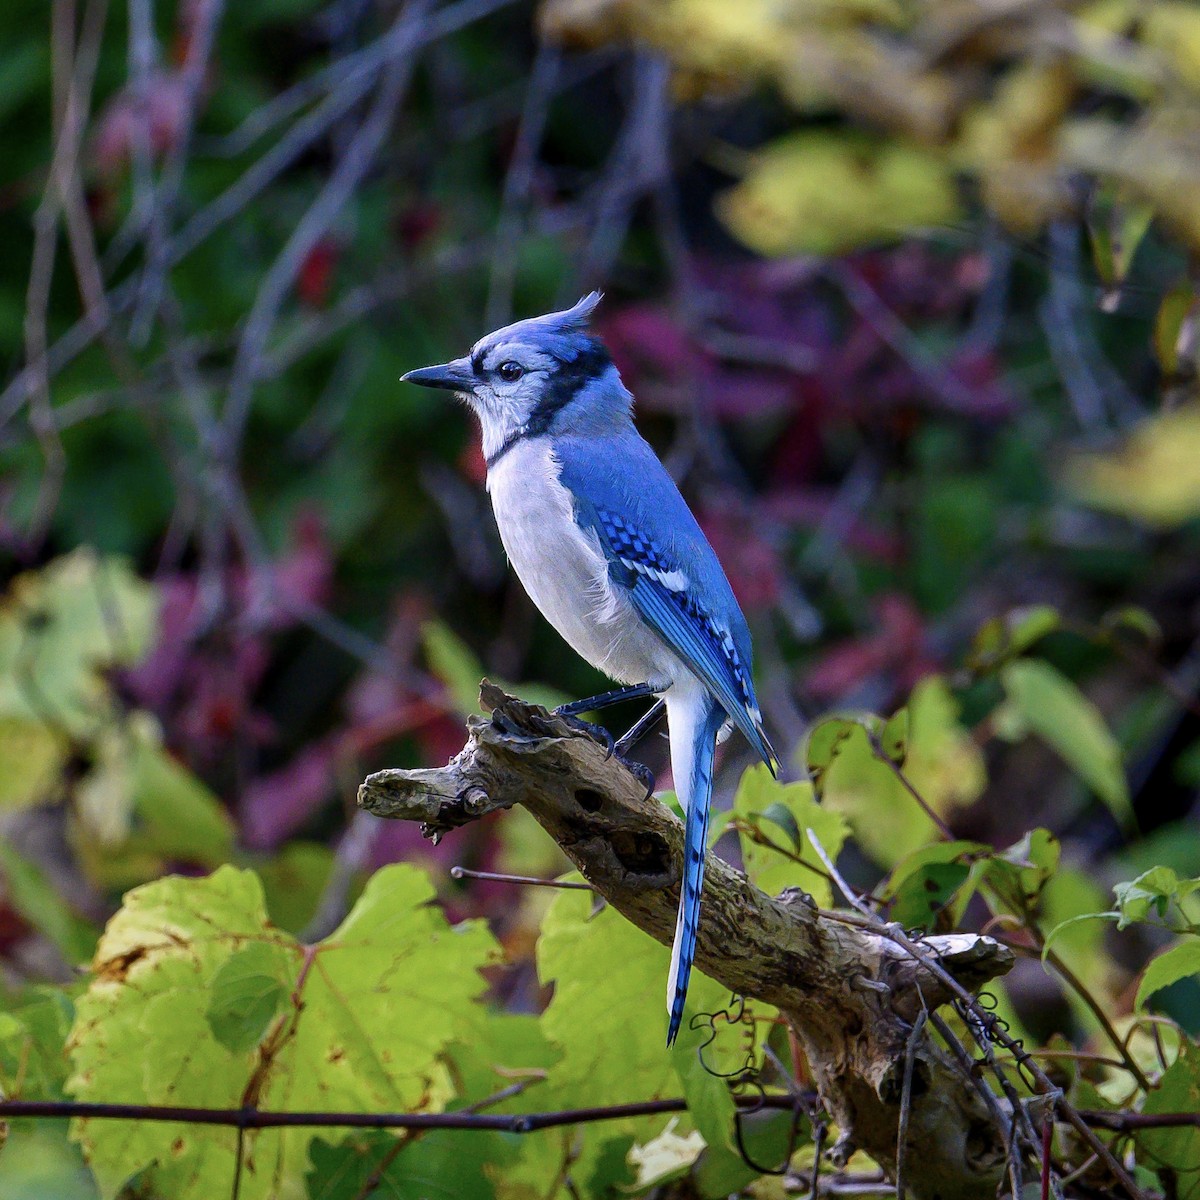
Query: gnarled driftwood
[(851, 994)]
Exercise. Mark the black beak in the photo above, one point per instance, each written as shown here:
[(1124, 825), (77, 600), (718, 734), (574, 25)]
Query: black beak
[(455, 376)]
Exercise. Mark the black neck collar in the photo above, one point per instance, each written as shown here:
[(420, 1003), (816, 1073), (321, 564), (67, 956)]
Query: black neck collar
[(518, 435)]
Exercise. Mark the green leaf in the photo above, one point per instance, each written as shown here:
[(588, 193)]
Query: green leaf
[(38, 1163), (926, 891), (1180, 961), (294, 882), (1172, 312), (1005, 637), (1155, 890), (248, 989), (1152, 477), (823, 193), (140, 811), (38, 901), (779, 815), (61, 628), (1069, 923), (34, 1031), (1055, 709), (1117, 226), (368, 1014), (829, 737), (1134, 619), (1019, 873), (439, 1165), (610, 990), (453, 662), (941, 762), (1176, 1150), (32, 756), (1080, 944)]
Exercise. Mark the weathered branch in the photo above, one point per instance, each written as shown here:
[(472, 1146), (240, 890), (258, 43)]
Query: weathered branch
[(852, 995)]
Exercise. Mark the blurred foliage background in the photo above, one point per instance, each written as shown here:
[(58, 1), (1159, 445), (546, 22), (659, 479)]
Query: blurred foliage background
[(906, 291)]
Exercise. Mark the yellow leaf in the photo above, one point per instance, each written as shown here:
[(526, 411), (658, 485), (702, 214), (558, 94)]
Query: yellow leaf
[(825, 194), (1153, 478), (1173, 29), (1012, 142), (31, 757)]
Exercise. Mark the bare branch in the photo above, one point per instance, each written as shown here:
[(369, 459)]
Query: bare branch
[(850, 992)]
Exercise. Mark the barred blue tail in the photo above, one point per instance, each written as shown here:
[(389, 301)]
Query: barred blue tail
[(695, 720)]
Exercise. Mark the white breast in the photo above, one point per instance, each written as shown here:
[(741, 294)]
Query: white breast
[(565, 572)]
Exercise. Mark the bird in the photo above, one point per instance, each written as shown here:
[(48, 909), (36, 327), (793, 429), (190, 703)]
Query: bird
[(608, 550)]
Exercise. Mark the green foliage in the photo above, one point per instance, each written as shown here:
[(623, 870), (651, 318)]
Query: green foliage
[(1043, 701), (64, 630), (36, 899), (1175, 1153), (774, 823), (604, 970), (190, 977), (863, 768), (138, 810), (968, 399), (452, 661)]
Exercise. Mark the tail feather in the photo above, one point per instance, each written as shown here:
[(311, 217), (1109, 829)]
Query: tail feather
[(694, 788)]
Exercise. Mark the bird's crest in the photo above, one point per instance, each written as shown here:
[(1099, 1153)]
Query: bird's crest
[(563, 334)]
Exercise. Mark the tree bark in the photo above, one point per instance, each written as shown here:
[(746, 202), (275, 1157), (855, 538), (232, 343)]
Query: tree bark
[(853, 996)]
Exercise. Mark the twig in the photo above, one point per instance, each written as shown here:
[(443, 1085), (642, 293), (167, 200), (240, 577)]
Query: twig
[(359, 156), (206, 16), (254, 1118), (518, 182), (851, 896), (524, 880), (910, 1053), (74, 75), (906, 783)]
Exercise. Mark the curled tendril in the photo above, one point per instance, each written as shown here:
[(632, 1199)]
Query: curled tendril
[(744, 1080), (985, 1023), (735, 1014)]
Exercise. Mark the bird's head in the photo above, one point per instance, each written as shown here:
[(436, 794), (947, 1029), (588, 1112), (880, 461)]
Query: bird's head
[(535, 376)]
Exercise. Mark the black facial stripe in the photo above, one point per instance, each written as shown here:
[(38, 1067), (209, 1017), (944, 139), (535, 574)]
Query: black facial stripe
[(565, 384), (562, 387)]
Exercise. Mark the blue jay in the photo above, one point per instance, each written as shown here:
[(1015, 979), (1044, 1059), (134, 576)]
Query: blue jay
[(608, 550)]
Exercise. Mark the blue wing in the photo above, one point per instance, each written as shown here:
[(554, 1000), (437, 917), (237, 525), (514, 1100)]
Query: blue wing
[(659, 554)]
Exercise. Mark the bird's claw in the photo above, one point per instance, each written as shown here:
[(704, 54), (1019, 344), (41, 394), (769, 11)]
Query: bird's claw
[(640, 772), (596, 732)]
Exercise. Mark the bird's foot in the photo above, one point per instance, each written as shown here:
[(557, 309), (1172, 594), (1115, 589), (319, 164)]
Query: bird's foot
[(596, 732), (640, 772), (599, 734)]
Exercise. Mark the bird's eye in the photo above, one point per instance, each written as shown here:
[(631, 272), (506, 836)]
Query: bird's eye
[(510, 371)]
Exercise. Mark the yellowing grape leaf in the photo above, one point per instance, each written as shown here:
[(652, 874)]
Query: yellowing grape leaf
[(1153, 478), (773, 822), (197, 999), (940, 760), (820, 193)]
